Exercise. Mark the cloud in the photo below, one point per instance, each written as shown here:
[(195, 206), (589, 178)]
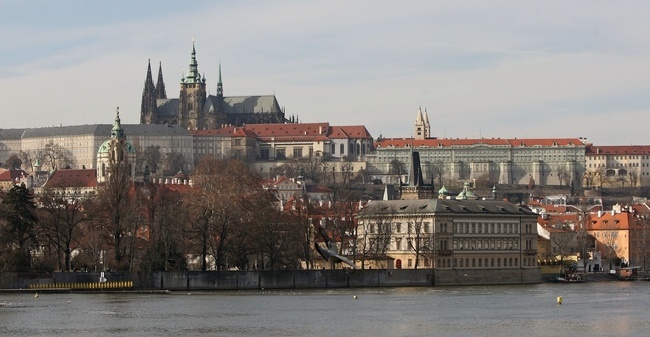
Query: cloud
[(497, 69)]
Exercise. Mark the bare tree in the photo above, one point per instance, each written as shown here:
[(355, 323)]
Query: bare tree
[(226, 190), (563, 176), (29, 158), (633, 177), (609, 238), (396, 169), (563, 244), (419, 238), (14, 162), (58, 157), (377, 232), (151, 157), (63, 217), (166, 217), (174, 162), (437, 170), (116, 204)]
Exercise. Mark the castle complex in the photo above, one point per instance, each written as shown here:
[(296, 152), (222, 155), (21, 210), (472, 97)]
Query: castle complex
[(195, 110)]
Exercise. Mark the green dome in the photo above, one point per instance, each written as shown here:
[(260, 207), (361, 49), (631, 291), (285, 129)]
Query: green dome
[(106, 147)]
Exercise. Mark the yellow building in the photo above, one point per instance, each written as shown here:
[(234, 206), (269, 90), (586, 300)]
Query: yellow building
[(448, 234)]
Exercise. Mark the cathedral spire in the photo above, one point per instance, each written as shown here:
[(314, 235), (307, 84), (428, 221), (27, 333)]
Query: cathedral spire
[(148, 103), (193, 75), (220, 84), (160, 85)]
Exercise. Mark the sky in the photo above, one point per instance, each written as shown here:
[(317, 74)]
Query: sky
[(481, 69)]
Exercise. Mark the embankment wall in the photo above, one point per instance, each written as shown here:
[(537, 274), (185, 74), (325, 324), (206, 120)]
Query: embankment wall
[(289, 279)]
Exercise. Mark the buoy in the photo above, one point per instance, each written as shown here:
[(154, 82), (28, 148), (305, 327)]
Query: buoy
[(559, 300), (355, 297), (36, 295)]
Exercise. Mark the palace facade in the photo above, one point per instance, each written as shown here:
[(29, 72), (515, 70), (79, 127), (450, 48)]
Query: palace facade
[(445, 234), (510, 161)]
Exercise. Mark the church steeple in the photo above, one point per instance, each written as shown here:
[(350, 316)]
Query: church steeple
[(117, 132), (148, 105), (421, 126), (220, 84), (160, 85), (193, 75), (192, 97)]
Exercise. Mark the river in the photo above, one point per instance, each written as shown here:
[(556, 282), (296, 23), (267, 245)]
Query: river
[(588, 309)]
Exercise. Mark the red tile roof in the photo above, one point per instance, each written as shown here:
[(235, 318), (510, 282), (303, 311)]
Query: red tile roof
[(13, 175), (351, 131), (290, 132), (631, 149), (607, 221), (72, 178), (434, 142)]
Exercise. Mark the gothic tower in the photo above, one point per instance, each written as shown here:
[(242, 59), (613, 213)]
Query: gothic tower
[(192, 97), (220, 84), (160, 85), (148, 107), (422, 128)]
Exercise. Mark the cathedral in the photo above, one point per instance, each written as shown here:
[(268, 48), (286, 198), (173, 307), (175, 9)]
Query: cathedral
[(195, 110)]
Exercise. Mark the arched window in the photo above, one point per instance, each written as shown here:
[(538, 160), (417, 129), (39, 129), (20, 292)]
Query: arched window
[(342, 149), (333, 148), (398, 264), (516, 262)]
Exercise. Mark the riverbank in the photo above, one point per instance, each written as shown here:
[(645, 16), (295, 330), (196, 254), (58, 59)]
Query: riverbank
[(289, 279)]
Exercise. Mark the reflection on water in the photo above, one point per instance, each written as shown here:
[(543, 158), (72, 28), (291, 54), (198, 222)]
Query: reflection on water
[(588, 309)]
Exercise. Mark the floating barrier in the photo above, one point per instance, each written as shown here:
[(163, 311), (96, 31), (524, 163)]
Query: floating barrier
[(84, 285)]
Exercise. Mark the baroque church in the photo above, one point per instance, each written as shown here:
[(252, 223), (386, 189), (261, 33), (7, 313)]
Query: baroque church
[(195, 110)]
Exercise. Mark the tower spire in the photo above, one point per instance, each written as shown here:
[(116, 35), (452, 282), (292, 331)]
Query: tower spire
[(193, 75), (117, 132), (220, 84), (148, 103), (160, 85)]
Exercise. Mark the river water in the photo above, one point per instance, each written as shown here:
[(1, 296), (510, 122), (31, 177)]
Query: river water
[(588, 309)]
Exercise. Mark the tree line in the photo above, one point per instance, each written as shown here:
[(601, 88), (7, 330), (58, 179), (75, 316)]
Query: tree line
[(224, 220)]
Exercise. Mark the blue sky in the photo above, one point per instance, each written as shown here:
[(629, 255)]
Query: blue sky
[(506, 69)]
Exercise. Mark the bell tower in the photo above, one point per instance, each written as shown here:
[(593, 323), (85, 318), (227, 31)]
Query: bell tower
[(422, 128), (192, 96)]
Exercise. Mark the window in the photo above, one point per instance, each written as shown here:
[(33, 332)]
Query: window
[(398, 228), (342, 149), (297, 153), (333, 148), (264, 154), (281, 154), (398, 244)]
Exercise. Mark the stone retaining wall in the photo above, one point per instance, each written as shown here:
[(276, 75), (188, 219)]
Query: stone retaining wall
[(289, 279)]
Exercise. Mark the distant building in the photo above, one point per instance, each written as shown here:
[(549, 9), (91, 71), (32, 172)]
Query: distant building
[(470, 236), (487, 161), (194, 109), (11, 178), (74, 184), (617, 166), (621, 237)]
